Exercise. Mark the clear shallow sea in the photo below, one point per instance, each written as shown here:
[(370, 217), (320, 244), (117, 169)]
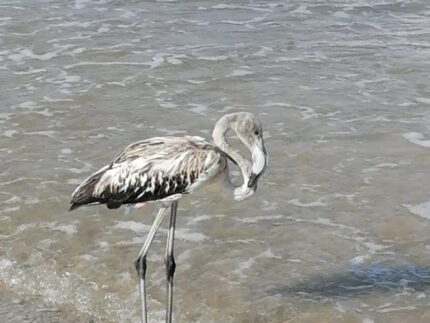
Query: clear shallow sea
[(339, 228)]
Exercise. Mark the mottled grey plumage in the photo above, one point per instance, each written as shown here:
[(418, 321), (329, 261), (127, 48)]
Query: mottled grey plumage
[(152, 169)]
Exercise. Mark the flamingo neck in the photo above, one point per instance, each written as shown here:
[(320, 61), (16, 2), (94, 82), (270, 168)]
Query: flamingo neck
[(219, 136)]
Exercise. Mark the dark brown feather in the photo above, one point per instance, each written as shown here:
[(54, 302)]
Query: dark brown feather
[(84, 194)]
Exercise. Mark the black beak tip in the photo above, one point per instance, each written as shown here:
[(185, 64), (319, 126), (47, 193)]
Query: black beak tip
[(252, 180)]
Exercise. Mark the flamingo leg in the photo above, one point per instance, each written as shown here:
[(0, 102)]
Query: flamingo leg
[(140, 262), (170, 261)]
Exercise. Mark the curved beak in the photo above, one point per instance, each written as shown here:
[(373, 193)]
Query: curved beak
[(259, 161)]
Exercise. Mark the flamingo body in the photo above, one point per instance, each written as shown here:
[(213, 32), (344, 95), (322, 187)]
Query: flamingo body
[(152, 170)]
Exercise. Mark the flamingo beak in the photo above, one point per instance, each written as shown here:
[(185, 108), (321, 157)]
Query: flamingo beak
[(259, 161)]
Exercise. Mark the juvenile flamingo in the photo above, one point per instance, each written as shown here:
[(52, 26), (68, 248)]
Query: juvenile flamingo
[(164, 169)]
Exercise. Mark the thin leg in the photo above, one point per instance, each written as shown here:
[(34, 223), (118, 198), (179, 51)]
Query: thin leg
[(170, 261), (140, 263)]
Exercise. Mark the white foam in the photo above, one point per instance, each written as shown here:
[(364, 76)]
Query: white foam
[(68, 24), (422, 210), (423, 100), (317, 203), (103, 29), (28, 54), (379, 166), (24, 227), (213, 58), (231, 6), (338, 307), (341, 14), (69, 229), (157, 60), (396, 309), (83, 170), (125, 82), (184, 256), (28, 105), (12, 199), (224, 6), (417, 139), (204, 217), (66, 228), (196, 82), (79, 64), (371, 246), (268, 254), (10, 209), (181, 233), (259, 218), (48, 99), (45, 243), (44, 112), (5, 116), (5, 218), (137, 227), (173, 61), (47, 133), (421, 296), (78, 50), (264, 50), (358, 260), (170, 132), (302, 9), (30, 71), (128, 14), (103, 244), (80, 4), (277, 104), (352, 234), (186, 235), (380, 119), (310, 187), (71, 79), (198, 108), (307, 113), (240, 72), (168, 105), (246, 23), (31, 200), (5, 263), (244, 265), (74, 181)]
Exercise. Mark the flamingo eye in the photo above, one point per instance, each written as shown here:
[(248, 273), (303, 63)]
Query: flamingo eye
[(256, 132)]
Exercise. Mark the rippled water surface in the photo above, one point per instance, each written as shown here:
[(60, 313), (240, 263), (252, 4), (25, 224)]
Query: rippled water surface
[(339, 228)]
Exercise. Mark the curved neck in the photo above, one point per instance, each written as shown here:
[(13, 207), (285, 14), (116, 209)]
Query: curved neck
[(219, 137)]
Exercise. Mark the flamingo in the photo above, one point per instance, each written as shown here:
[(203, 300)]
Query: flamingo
[(164, 169)]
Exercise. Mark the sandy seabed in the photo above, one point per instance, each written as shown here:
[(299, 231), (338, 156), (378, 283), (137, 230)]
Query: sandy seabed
[(15, 308)]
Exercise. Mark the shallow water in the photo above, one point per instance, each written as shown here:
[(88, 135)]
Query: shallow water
[(338, 230)]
